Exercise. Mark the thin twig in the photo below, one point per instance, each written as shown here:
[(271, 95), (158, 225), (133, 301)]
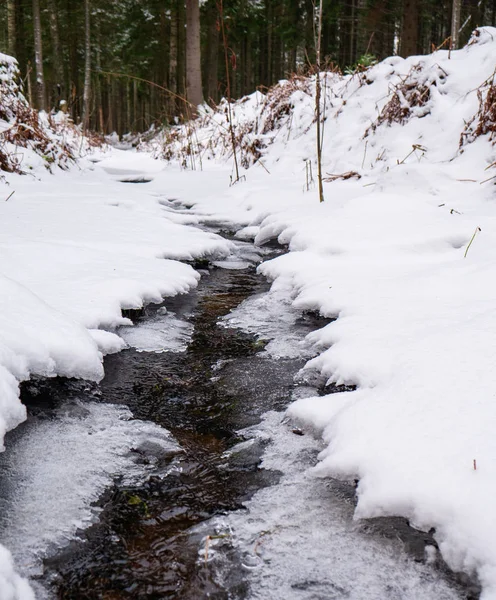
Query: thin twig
[(477, 229)]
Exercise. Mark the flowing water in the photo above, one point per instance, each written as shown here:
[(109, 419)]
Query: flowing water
[(178, 477)]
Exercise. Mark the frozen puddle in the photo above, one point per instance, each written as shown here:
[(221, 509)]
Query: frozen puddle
[(74, 456), (163, 332), (297, 539)]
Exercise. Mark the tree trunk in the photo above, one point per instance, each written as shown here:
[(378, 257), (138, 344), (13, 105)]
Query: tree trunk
[(173, 60), (21, 53), (58, 69), (98, 80), (310, 33), (181, 51), (11, 27), (38, 49), (455, 23), (212, 53), (317, 104), (87, 65), (194, 91), (409, 30)]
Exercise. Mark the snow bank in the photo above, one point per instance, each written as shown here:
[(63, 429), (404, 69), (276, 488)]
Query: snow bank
[(410, 181)]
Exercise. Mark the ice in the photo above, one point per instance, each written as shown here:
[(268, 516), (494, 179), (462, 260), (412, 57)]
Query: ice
[(298, 539), (160, 333), (271, 317), (53, 469)]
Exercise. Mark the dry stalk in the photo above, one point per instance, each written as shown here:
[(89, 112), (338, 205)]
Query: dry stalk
[(348, 175)]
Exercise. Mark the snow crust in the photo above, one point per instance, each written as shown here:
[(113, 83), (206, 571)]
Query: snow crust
[(388, 254)]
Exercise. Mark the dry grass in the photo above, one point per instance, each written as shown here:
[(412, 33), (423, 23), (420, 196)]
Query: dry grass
[(278, 104), (484, 121), (410, 97), (344, 176)]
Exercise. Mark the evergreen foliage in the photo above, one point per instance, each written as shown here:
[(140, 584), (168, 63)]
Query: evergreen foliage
[(138, 49)]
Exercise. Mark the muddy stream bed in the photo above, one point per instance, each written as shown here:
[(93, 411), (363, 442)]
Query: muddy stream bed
[(179, 478)]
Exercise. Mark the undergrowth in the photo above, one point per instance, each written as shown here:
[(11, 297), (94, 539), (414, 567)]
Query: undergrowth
[(411, 96), (22, 127), (484, 121)]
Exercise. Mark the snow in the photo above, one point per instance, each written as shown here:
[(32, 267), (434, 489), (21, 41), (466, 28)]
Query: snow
[(386, 256)]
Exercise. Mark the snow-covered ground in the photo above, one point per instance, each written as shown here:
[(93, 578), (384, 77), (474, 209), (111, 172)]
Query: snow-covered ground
[(386, 253)]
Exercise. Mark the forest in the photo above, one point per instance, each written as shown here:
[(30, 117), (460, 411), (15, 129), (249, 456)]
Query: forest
[(133, 54)]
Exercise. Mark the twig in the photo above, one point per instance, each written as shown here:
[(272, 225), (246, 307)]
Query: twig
[(10, 196), (477, 229), (489, 179)]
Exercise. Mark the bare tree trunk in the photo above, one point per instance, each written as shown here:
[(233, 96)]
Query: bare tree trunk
[(317, 104), (38, 50), (30, 87), (98, 81), (455, 23), (11, 27), (87, 65), (172, 60), (58, 69), (134, 126), (194, 91), (181, 51), (228, 90), (110, 115), (409, 29), (212, 60)]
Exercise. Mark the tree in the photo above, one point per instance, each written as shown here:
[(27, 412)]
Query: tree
[(58, 70), (318, 40), (38, 49), (11, 27), (87, 65), (410, 27), (455, 23), (194, 92)]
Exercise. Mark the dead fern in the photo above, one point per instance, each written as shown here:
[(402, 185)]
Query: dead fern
[(279, 102), (410, 97), (484, 121), (343, 176)]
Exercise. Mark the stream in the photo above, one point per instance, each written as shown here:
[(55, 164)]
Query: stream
[(178, 477)]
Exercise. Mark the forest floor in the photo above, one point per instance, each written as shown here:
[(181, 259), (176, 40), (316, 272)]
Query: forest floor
[(399, 257)]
